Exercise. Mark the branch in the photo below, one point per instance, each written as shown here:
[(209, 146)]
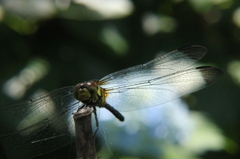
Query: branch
[(85, 143)]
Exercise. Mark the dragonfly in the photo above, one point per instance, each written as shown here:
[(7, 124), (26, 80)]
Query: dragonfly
[(45, 123)]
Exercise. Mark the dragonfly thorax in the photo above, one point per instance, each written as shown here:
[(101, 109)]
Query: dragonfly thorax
[(88, 93)]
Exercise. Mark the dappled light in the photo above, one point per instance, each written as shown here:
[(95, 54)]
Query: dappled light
[(63, 4), (34, 71), (107, 8), (153, 24), (234, 70), (37, 114), (112, 37), (213, 15), (29, 9), (205, 135), (202, 6), (1, 13), (44, 9), (236, 17), (192, 132), (51, 44)]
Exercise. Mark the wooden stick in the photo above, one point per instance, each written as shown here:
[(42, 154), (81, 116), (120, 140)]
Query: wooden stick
[(85, 143)]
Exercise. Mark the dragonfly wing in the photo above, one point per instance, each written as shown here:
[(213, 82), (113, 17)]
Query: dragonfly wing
[(169, 63), (38, 126), (161, 89)]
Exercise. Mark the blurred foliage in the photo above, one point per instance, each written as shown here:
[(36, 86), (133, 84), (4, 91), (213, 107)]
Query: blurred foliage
[(49, 44)]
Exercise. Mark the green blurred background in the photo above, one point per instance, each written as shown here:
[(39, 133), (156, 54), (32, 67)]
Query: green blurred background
[(49, 44)]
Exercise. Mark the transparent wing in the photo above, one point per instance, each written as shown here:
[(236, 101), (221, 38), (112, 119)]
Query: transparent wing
[(169, 63), (159, 90), (39, 125)]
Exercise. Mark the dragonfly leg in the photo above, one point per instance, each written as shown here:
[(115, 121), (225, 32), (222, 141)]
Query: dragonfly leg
[(81, 107), (96, 119)]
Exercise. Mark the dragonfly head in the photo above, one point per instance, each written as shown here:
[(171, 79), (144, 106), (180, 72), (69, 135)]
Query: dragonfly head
[(85, 92)]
